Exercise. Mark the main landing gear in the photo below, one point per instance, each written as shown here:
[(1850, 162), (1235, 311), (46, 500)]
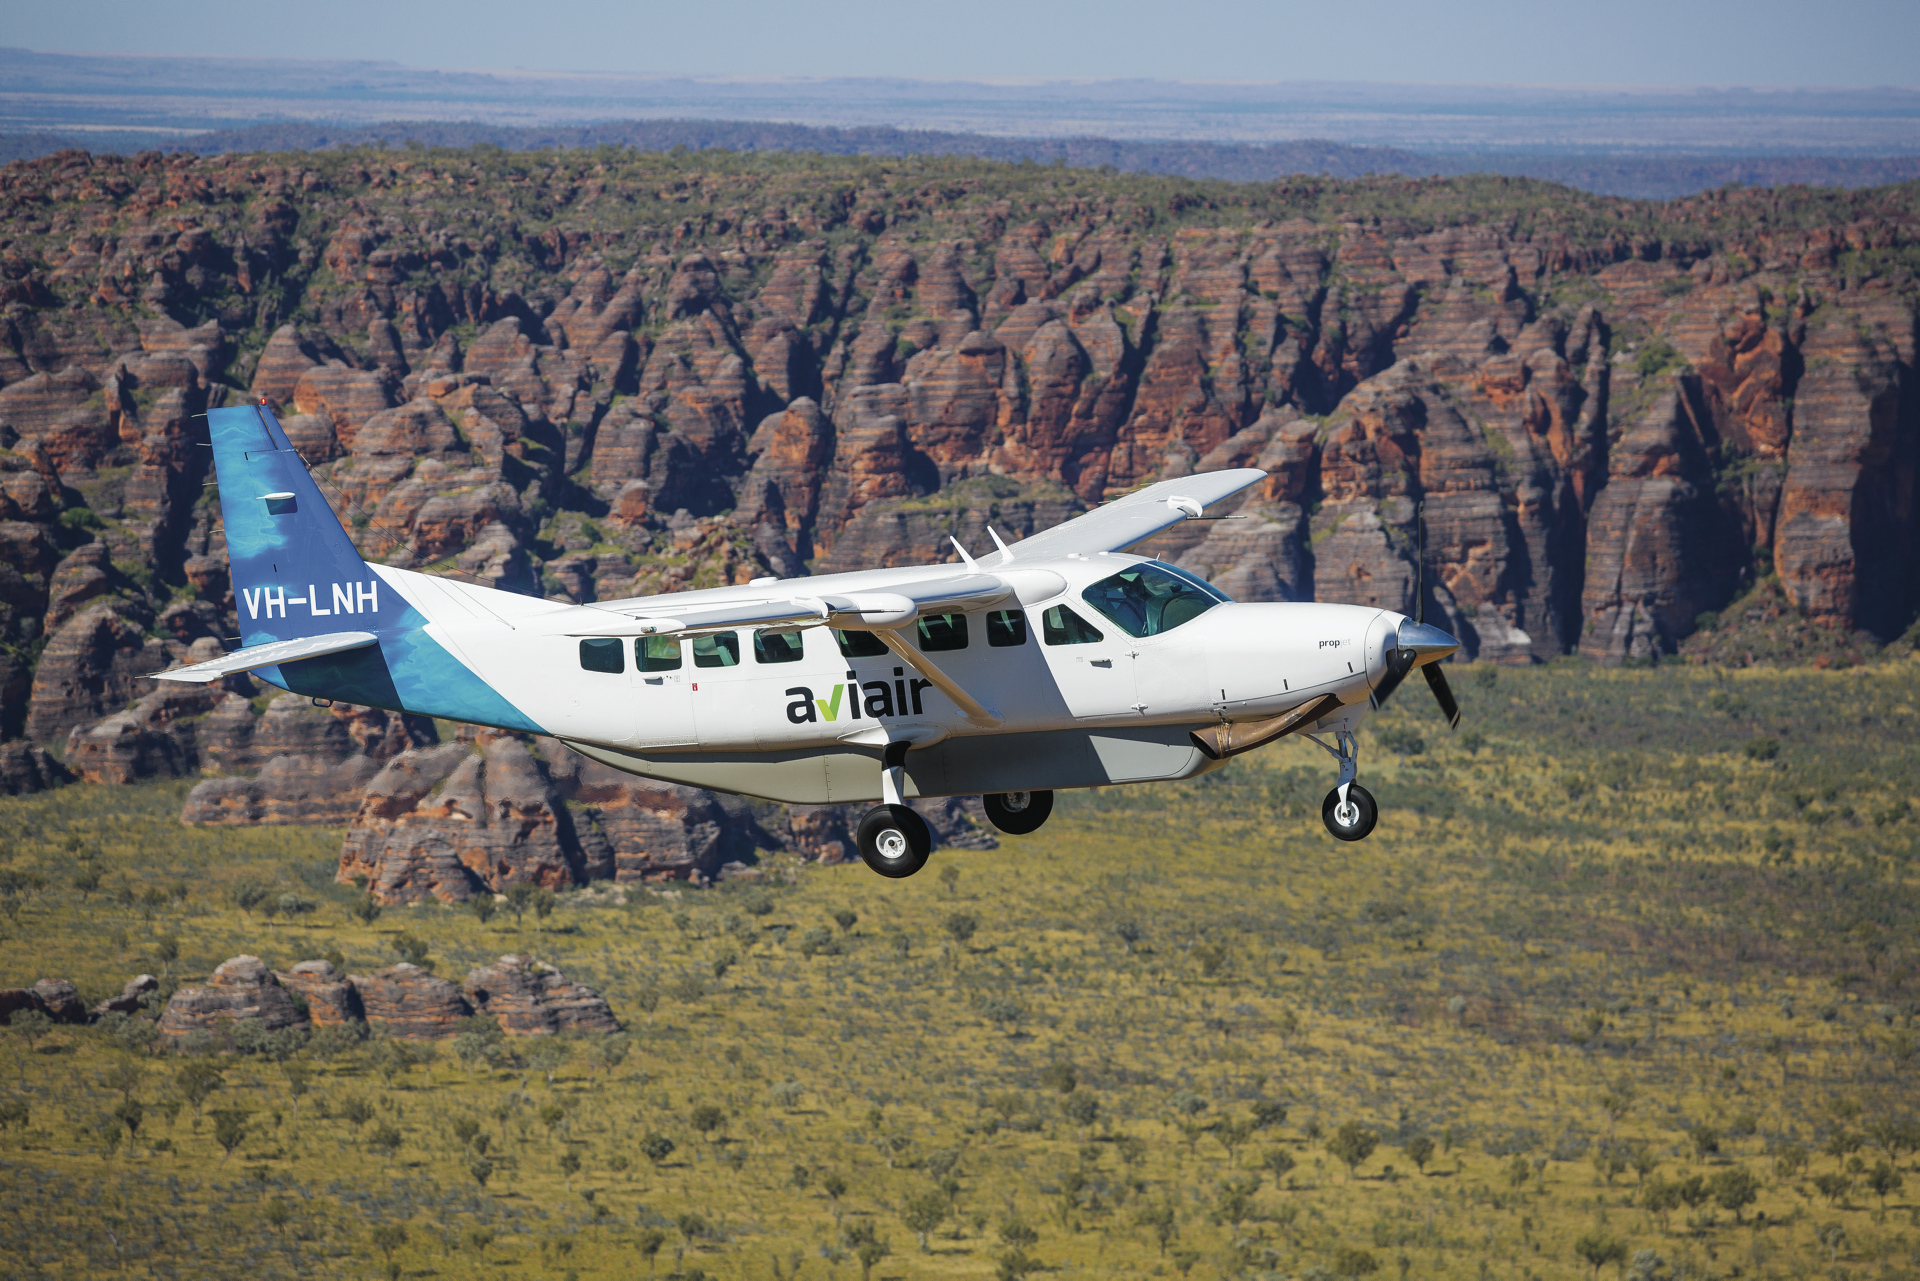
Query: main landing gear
[(893, 840), (1349, 810), (1017, 813)]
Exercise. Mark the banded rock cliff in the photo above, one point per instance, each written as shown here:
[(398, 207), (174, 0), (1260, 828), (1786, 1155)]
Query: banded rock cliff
[(591, 375)]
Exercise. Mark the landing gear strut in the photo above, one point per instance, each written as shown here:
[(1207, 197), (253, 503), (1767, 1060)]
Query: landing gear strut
[(893, 840), (1017, 813), (1349, 810)]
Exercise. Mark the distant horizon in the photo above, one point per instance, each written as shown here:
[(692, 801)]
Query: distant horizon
[(991, 81), (1845, 44)]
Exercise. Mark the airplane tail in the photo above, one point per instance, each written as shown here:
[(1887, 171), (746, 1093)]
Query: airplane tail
[(334, 627), (295, 572)]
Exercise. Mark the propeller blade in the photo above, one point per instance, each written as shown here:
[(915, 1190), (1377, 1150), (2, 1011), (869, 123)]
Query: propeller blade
[(1399, 663), (1442, 694)]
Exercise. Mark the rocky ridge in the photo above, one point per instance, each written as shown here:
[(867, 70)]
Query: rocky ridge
[(591, 376)]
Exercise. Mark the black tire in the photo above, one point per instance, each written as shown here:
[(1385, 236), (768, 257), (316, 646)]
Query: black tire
[(1018, 813), (894, 841), (1362, 799)]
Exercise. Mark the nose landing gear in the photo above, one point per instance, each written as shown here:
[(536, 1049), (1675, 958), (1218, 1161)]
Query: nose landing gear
[(1349, 810)]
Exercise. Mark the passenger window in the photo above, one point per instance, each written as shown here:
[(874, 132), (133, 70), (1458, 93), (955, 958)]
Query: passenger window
[(943, 632), (776, 647), (1148, 599), (859, 644), (1061, 626), (1006, 628), (603, 656), (657, 653), (721, 650)]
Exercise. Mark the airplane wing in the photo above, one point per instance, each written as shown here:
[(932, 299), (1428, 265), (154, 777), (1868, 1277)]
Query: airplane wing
[(1133, 518), (860, 610), (287, 651)]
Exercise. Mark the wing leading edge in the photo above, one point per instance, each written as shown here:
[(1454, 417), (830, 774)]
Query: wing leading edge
[(1131, 519)]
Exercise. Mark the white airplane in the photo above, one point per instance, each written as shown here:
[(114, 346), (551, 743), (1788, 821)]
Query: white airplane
[(1060, 661)]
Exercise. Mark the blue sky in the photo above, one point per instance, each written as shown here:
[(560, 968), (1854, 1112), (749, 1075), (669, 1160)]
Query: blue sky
[(1670, 42)]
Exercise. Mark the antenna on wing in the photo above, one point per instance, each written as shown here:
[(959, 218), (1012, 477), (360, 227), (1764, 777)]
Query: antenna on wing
[(1006, 553), (963, 553)]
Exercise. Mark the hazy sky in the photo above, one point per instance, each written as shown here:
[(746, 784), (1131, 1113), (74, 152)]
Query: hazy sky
[(1754, 42)]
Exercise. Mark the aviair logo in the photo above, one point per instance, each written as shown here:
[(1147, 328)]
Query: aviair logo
[(348, 598), (878, 698)]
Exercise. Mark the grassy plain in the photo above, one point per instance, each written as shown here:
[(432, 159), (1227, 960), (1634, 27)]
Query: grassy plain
[(1627, 928)]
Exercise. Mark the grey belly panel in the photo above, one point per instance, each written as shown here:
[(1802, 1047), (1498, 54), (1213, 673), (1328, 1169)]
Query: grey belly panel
[(1045, 761)]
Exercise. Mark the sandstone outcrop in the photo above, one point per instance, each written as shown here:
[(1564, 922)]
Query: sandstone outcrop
[(411, 1004), (1612, 422), (330, 996), (240, 988), (129, 1000), (532, 998), (26, 767)]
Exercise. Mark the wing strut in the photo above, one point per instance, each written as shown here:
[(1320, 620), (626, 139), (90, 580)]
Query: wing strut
[(967, 703)]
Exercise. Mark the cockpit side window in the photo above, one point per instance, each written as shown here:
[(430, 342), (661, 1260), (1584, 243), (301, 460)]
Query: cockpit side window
[(1149, 599)]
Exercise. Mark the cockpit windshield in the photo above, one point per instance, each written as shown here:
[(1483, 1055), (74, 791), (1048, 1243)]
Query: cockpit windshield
[(1148, 599)]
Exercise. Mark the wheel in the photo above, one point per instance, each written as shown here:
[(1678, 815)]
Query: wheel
[(1359, 817), (894, 841), (1017, 813)]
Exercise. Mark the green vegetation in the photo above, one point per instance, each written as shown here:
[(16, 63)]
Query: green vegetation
[(1609, 993)]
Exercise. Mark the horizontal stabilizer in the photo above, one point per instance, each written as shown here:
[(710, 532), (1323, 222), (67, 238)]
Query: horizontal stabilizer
[(287, 651)]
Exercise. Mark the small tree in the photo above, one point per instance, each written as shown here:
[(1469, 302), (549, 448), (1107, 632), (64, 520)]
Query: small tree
[(1598, 1249), (131, 1114), (519, 899), (1419, 1150), (949, 878), (1350, 1261), (960, 927), (481, 1169), (1130, 933), (385, 1140), (923, 1214), (1278, 1162), (1233, 1201), (1352, 1144), (706, 1118), (846, 920), (569, 1166), (411, 950), (656, 1148), (648, 999), (483, 907), (1883, 1181), (246, 896), (1161, 1222), (1705, 1140), (388, 1237), (229, 1130), (196, 1081), (1231, 1133), (649, 1242), (364, 910), (543, 902), (1735, 1188)]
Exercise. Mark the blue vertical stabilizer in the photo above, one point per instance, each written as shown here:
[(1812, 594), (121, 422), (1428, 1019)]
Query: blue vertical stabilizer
[(295, 572)]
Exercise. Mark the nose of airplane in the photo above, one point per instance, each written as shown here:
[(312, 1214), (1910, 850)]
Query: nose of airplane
[(1428, 644)]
